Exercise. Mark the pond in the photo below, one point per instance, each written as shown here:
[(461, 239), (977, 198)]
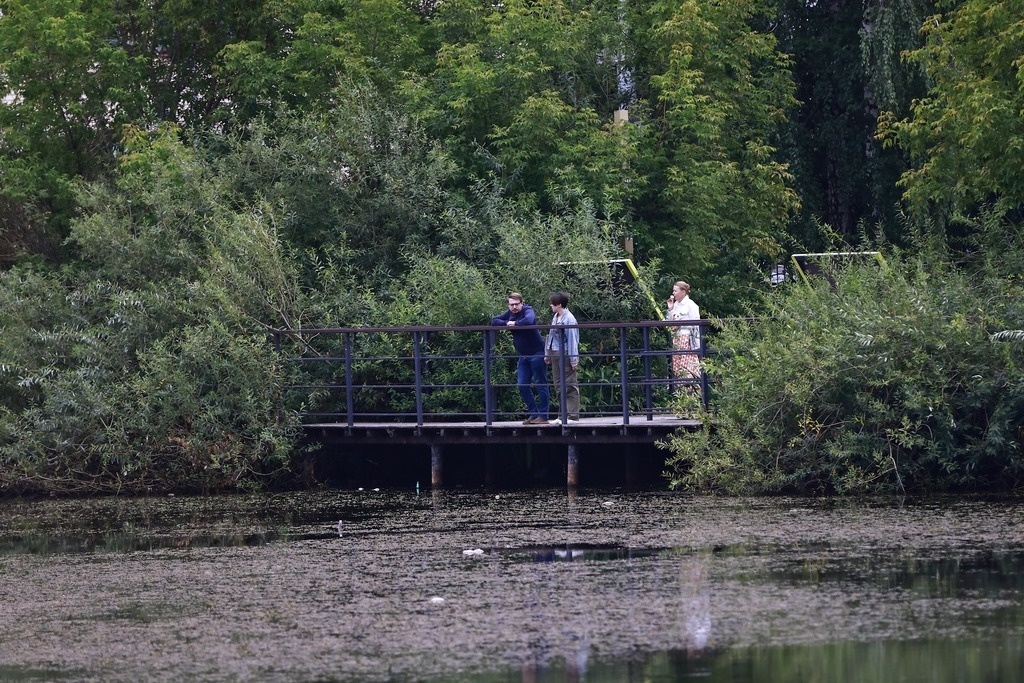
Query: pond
[(510, 586)]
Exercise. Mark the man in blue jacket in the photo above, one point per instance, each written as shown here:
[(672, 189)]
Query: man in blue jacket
[(530, 369)]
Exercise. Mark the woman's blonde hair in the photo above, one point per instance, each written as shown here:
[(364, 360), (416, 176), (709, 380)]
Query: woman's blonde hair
[(683, 286)]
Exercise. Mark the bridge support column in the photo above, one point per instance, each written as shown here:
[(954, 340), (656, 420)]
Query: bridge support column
[(488, 468), (573, 467), (436, 466), (631, 467)]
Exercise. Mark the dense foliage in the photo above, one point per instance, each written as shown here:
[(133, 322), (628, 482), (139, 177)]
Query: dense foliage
[(144, 364), (148, 369), (176, 178), (967, 132), (905, 379)]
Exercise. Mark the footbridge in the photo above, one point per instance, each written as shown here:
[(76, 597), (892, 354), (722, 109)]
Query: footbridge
[(435, 386)]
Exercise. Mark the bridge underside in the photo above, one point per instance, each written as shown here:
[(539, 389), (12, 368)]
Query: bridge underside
[(594, 430)]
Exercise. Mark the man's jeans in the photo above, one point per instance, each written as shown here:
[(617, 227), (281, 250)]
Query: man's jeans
[(531, 369)]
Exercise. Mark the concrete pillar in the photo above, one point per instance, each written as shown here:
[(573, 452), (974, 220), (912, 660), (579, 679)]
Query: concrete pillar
[(436, 466), (573, 467)]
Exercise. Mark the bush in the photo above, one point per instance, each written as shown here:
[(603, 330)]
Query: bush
[(107, 395), (890, 381)]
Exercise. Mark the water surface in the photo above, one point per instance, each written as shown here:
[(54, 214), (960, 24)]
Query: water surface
[(518, 586)]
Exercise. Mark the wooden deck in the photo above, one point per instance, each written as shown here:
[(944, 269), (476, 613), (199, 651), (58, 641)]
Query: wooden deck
[(593, 430)]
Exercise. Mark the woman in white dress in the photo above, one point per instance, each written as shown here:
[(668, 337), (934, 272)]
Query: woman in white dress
[(685, 366)]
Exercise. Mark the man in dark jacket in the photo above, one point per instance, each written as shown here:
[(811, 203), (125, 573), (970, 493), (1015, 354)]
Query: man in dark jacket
[(531, 368)]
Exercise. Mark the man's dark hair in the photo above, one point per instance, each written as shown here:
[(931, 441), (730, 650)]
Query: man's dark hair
[(560, 299)]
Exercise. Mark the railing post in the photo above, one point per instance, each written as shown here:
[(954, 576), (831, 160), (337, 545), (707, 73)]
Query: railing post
[(701, 355), (417, 363), (624, 375), (563, 410), (488, 398), (349, 399), (648, 389)]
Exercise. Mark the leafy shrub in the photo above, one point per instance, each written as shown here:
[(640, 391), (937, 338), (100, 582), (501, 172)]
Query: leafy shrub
[(107, 394), (888, 382)]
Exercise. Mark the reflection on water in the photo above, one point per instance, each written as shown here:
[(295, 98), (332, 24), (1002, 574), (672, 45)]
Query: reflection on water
[(129, 540), (576, 553), (125, 526), (519, 586), (911, 661)]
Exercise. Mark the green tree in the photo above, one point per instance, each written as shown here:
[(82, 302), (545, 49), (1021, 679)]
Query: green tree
[(720, 198), (75, 74), (524, 92), (68, 90), (847, 69), (142, 366), (365, 178), (317, 47), (965, 135)]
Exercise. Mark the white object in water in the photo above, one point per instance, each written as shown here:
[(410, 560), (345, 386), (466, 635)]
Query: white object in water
[(474, 551)]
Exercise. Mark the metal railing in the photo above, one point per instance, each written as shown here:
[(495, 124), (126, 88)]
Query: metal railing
[(426, 374)]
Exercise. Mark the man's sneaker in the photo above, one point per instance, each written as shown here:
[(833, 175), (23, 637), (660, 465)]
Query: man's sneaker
[(571, 421)]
